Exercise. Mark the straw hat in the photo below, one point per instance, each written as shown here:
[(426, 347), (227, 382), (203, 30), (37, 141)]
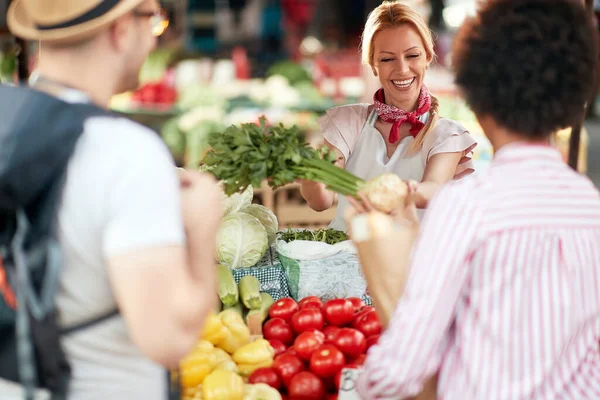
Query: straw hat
[(64, 20)]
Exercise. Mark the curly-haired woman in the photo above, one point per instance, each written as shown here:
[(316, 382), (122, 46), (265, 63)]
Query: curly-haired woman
[(401, 131), (502, 297)]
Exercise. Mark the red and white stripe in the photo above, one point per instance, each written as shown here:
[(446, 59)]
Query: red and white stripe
[(503, 295)]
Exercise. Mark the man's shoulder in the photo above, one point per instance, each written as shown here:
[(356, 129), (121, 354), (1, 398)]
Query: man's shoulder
[(113, 136)]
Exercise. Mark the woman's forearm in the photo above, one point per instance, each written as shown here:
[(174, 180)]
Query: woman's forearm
[(316, 195)]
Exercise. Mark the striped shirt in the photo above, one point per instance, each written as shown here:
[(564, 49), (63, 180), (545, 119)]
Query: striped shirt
[(503, 295)]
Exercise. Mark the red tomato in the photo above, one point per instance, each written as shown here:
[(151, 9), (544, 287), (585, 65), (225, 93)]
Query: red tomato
[(338, 312), (308, 319), (360, 360), (277, 328), (290, 350), (306, 386), (371, 340), (306, 343), (368, 324), (287, 366), (351, 342), (327, 361), (330, 332), (332, 396), (363, 311), (265, 375), (284, 308), (338, 376), (278, 346), (310, 302), (357, 303)]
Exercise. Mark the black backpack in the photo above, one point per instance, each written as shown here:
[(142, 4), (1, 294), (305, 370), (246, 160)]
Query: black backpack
[(38, 134)]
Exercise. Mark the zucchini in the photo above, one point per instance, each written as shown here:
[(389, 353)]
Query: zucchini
[(250, 292), (237, 307), (228, 290), (255, 318)]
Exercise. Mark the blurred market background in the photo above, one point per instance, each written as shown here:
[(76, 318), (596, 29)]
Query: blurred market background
[(223, 62)]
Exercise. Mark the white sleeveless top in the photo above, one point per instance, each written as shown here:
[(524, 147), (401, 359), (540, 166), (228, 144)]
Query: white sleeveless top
[(365, 150)]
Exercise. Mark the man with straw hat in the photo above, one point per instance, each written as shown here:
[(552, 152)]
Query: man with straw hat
[(134, 235)]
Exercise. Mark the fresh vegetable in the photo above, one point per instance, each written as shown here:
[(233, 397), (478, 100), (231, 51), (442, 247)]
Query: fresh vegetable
[(241, 240), (290, 70), (306, 386), (307, 343), (250, 154), (287, 366), (329, 331), (350, 341), (284, 308), (247, 369), (372, 340), (223, 385), (338, 312), (368, 324), (310, 301), (356, 302), (363, 311), (278, 346), (278, 329), (256, 352), (255, 318), (266, 375), (327, 361), (308, 319), (267, 218), (237, 307), (196, 366), (260, 391), (329, 236), (227, 289), (250, 292), (238, 333), (214, 331), (236, 201)]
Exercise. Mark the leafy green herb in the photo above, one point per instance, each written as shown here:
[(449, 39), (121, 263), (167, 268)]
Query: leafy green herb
[(329, 236), (250, 154)]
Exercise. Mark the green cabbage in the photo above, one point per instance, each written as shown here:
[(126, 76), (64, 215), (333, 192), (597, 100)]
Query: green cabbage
[(266, 218), (241, 241), (237, 201)]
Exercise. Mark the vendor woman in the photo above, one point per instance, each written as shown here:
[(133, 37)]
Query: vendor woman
[(401, 132)]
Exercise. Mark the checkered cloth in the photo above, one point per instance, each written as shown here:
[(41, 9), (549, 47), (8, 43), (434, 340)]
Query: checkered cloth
[(280, 281)]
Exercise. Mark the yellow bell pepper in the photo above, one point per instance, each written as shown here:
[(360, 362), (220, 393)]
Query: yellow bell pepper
[(214, 331), (227, 365), (248, 369), (238, 333), (260, 391), (204, 345), (256, 352), (197, 365), (194, 375), (221, 355), (223, 385)]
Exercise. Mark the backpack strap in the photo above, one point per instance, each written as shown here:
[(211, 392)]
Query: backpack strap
[(86, 324)]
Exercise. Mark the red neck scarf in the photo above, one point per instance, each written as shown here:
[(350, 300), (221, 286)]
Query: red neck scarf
[(393, 114)]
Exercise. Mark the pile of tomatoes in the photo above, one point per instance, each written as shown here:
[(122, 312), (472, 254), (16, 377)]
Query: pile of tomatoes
[(313, 342), (155, 94)]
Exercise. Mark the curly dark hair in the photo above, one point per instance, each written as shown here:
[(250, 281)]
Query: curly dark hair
[(528, 64)]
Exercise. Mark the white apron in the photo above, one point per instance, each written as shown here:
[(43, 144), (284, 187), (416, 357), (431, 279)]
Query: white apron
[(369, 160)]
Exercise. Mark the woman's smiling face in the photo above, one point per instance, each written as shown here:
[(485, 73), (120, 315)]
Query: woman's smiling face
[(400, 62)]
